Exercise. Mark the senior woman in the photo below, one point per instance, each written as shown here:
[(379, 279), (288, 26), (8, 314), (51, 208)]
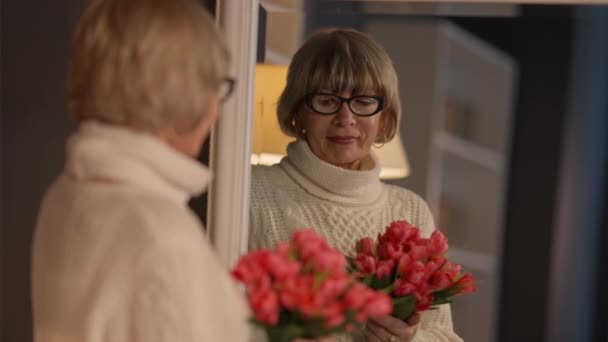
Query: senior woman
[(341, 98), (117, 254)]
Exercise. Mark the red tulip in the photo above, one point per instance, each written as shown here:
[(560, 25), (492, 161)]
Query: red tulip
[(366, 246)]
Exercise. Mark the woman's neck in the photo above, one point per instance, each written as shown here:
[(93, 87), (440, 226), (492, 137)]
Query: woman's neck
[(329, 181), (355, 166)]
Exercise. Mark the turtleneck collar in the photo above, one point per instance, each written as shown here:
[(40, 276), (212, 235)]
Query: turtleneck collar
[(329, 181), (110, 152)]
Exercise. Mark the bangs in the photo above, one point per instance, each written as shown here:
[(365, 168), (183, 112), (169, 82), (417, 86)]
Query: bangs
[(341, 67)]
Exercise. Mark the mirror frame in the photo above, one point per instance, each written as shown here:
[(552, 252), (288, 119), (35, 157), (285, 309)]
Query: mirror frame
[(230, 149)]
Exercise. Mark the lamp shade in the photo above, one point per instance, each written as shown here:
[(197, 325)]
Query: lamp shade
[(270, 143), (393, 159)]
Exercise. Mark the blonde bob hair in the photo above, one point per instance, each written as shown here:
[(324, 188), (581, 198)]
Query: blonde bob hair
[(145, 64), (338, 60)]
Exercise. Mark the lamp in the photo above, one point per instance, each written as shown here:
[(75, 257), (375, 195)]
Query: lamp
[(393, 159), (270, 144)]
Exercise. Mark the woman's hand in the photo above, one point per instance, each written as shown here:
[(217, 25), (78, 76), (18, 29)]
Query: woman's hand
[(391, 329)]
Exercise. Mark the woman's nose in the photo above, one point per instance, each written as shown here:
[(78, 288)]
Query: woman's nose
[(344, 116)]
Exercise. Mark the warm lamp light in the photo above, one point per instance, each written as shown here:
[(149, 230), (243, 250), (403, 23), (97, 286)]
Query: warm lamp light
[(393, 159), (270, 144)]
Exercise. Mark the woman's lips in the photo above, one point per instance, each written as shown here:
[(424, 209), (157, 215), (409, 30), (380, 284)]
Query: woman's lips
[(343, 140)]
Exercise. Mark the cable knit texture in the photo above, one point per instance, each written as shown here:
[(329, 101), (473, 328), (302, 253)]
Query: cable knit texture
[(303, 191)]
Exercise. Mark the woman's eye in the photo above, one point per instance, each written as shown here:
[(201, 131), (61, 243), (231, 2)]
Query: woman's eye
[(365, 101), (326, 101)]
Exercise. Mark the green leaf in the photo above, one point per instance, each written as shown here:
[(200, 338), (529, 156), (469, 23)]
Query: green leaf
[(404, 307), (443, 295), (442, 301), (380, 283), (283, 333)]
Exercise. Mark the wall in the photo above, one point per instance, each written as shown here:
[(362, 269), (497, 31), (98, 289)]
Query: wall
[(35, 48), (575, 293)]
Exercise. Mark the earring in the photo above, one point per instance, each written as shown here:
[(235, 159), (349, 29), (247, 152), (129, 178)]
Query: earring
[(299, 131), (384, 141)]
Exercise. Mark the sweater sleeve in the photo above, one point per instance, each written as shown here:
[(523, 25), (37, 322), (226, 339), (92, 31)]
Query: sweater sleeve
[(436, 326), (258, 197), (421, 214)]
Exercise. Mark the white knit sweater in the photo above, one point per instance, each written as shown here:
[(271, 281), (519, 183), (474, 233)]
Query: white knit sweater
[(342, 205), (118, 255)]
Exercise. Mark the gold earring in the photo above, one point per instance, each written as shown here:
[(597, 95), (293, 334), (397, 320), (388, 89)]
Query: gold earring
[(384, 141)]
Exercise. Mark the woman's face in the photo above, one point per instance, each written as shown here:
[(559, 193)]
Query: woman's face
[(342, 139)]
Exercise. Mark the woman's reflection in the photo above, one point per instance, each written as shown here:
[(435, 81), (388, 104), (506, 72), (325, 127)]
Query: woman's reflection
[(341, 97)]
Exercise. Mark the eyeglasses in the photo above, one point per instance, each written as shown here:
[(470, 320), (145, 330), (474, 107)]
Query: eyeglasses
[(360, 105), (226, 89)]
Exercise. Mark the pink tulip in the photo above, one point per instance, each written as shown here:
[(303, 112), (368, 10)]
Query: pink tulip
[(265, 305), (384, 268), (355, 297), (390, 250), (282, 268), (439, 243), (403, 287), (466, 284), (329, 261), (334, 314), (440, 281), (366, 246)]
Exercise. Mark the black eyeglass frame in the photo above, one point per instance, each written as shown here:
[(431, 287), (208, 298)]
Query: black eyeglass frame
[(308, 101), (230, 82)]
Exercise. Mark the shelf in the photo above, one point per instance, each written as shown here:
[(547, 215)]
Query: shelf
[(466, 150), (472, 260)]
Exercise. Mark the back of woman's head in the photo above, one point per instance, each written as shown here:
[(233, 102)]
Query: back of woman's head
[(339, 60), (146, 64)]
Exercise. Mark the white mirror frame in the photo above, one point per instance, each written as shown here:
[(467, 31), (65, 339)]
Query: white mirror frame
[(230, 152)]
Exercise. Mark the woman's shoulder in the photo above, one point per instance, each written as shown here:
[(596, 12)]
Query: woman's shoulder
[(410, 206), (265, 177), (395, 192), (263, 170)]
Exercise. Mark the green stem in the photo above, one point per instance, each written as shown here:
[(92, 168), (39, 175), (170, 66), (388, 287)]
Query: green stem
[(389, 289)]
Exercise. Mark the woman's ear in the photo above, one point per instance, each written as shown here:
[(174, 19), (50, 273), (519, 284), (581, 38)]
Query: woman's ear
[(297, 125), (382, 126)]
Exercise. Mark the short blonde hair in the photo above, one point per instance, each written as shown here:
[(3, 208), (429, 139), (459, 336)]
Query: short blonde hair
[(340, 59), (146, 64)]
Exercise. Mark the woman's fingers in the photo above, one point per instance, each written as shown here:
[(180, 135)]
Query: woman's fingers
[(415, 319), (370, 334), (382, 328), (379, 331), (392, 325)]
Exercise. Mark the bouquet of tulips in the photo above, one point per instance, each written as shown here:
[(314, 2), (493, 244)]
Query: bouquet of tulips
[(302, 289), (412, 269)]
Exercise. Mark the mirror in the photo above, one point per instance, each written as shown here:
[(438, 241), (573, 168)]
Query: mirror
[(466, 72)]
